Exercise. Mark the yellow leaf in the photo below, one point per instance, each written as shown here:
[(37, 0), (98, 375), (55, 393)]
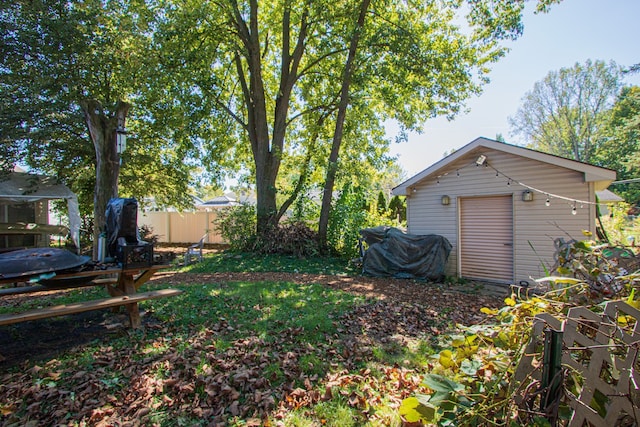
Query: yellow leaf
[(631, 300), (457, 342), (510, 301), (487, 310), (626, 320), (465, 352), (446, 359)]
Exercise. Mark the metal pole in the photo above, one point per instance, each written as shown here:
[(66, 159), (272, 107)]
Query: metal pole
[(551, 373)]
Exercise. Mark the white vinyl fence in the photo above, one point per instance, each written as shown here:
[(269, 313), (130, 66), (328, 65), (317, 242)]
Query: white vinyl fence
[(181, 227)]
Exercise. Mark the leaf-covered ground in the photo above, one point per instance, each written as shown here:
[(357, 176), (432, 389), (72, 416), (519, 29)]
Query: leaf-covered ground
[(216, 357)]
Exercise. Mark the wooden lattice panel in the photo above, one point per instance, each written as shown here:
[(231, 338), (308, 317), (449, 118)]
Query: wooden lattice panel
[(601, 351)]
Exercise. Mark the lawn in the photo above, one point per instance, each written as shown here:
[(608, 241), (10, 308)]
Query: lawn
[(251, 341)]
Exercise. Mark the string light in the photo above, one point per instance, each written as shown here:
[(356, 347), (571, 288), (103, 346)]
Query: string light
[(573, 202), (549, 195)]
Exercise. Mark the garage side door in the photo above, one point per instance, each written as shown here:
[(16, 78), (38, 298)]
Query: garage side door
[(486, 238)]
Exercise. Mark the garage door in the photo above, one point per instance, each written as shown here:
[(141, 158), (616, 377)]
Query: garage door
[(486, 238)]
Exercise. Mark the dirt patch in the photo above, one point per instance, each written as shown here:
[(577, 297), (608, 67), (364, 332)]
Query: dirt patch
[(49, 338)]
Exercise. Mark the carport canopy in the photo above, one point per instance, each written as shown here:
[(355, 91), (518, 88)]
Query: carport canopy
[(21, 187)]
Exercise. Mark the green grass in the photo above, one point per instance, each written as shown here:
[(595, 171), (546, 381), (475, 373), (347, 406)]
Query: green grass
[(284, 332), (263, 309), (247, 262)]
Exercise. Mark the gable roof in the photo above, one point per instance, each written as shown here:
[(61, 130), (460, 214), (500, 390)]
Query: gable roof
[(602, 176), (26, 187), (219, 202)]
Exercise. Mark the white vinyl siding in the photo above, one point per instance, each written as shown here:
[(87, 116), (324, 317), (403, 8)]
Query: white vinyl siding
[(535, 226), (486, 238)]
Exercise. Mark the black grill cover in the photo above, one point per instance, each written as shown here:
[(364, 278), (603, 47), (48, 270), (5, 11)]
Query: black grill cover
[(122, 221), (394, 253)]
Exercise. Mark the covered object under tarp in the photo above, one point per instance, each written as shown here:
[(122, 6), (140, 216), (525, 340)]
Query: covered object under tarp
[(20, 187), (394, 253)]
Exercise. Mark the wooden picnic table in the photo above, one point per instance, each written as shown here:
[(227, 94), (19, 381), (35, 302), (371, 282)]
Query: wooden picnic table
[(122, 284)]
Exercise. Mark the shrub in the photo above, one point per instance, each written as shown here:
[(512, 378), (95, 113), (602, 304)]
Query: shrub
[(587, 272), (350, 214), (237, 226), (472, 379), (622, 228)]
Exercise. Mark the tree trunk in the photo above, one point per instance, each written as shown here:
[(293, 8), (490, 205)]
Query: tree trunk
[(267, 152), (102, 130), (332, 165)]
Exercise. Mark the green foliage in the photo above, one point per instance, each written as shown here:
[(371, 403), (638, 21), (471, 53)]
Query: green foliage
[(398, 209), (382, 204), (237, 225), (472, 380), (347, 218), (566, 113), (55, 55), (621, 228), (620, 150), (588, 272), (254, 116), (305, 209), (351, 214)]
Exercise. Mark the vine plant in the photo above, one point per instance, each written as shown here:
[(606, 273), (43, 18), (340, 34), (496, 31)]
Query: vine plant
[(471, 381)]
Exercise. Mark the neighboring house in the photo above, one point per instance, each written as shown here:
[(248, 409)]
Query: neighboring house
[(172, 226), (24, 210), (217, 203), (502, 207)]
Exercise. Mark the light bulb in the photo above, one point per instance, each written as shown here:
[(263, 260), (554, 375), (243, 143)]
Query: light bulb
[(547, 202), (574, 211)]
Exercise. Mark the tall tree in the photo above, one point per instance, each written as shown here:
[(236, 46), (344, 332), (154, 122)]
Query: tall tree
[(343, 103), (620, 150), (266, 70), (70, 71), (566, 112)]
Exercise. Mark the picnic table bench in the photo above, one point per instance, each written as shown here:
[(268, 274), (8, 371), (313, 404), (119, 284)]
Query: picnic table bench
[(122, 284)]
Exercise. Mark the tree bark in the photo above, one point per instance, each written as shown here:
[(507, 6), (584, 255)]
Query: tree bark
[(102, 130), (332, 165), (266, 150)]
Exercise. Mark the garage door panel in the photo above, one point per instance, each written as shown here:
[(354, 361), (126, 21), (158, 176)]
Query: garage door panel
[(486, 238)]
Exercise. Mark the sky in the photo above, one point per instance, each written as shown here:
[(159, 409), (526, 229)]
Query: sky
[(572, 31)]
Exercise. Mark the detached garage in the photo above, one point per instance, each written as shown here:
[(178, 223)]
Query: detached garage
[(502, 207)]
